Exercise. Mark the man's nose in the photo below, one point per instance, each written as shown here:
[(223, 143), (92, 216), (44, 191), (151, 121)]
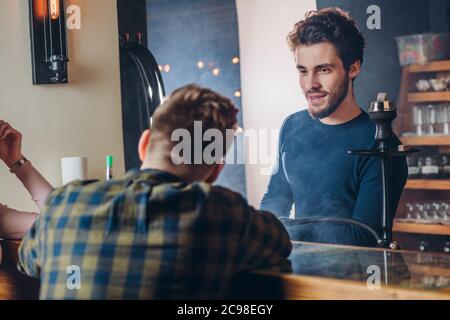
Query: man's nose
[(312, 83)]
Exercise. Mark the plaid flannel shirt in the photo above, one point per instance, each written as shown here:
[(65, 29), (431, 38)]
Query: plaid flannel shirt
[(149, 236)]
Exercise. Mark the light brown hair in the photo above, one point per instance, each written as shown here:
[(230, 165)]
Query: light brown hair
[(187, 105)]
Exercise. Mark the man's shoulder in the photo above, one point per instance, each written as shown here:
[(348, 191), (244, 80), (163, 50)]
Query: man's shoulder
[(234, 202), (298, 117), (73, 191), (294, 122), (224, 195)]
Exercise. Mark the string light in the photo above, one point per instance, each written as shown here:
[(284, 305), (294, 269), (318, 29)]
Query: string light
[(216, 71), (167, 68), (200, 65), (235, 60), (237, 94)]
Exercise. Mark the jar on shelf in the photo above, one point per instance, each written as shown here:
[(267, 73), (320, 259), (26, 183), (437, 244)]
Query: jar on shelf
[(424, 246), (445, 166), (446, 247), (430, 168), (414, 170)]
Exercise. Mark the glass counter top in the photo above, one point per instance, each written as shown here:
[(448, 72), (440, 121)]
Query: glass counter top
[(404, 269)]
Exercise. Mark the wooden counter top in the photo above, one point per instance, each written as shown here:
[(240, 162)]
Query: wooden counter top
[(321, 271), (324, 271), (13, 284)]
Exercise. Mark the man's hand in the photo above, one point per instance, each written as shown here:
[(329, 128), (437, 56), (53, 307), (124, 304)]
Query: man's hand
[(10, 144)]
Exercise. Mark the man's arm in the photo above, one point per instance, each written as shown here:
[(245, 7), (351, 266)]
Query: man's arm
[(29, 253), (369, 204), (265, 243), (278, 198), (14, 224), (35, 183)]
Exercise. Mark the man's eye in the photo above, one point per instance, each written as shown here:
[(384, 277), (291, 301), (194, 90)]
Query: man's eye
[(324, 70), (302, 72)]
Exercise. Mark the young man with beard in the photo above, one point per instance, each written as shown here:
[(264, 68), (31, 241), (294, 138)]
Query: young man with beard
[(315, 172)]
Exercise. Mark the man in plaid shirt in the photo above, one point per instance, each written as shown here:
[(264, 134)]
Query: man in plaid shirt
[(162, 232)]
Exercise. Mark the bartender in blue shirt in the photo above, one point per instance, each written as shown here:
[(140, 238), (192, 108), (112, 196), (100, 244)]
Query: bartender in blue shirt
[(314, 171)]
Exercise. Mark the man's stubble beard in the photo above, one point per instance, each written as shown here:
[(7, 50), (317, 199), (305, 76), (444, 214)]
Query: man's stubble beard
[(332, 107)]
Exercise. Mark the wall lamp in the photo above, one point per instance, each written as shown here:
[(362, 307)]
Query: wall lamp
[(48, 41)]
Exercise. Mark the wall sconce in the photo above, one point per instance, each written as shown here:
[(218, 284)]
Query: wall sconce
[(48, 41)]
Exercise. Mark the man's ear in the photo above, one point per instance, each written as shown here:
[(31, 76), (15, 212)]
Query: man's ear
[(143, 144), (215, 172), (355, 69)]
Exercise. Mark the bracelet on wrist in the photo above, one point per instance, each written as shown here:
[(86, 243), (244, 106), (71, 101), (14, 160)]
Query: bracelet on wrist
[(19, 164)]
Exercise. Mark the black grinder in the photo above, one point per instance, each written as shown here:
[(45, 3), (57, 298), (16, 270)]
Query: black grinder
[(383, 112)]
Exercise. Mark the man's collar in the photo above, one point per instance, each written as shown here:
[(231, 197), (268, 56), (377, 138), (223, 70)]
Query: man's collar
[(153, 175)]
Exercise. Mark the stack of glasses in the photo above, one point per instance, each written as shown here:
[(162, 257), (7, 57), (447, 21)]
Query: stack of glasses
[(431, 212), (431, 119)]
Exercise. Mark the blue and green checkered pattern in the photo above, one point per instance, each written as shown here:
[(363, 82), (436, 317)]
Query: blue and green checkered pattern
[(149, 236)]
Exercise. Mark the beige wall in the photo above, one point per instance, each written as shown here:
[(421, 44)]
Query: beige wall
[(82, 118), (270, 89)]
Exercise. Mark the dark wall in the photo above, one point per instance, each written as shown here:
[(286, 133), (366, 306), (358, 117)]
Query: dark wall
[(132, 19), (183, 32), (381, 69), (439, 15), (132, 15)]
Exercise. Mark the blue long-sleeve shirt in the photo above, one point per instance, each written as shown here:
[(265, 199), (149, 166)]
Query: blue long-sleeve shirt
[(316, 174)]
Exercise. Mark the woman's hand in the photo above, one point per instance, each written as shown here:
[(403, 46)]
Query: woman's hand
[(10, 144)]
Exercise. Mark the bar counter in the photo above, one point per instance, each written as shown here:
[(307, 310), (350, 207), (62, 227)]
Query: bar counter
[(321, 271), (325, 271)]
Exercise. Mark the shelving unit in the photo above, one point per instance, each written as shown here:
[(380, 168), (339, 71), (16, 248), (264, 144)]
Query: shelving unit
[(428, 97), (435, 229), (426, 141), (420, 184), (419, 189)]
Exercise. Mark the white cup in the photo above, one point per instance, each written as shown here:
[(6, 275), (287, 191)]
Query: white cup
[(74, 168)]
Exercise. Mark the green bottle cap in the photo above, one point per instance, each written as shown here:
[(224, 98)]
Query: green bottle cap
[(109, 161)]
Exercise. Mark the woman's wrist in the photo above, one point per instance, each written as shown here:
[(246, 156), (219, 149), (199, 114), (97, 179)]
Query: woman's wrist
[(17, 165), (11, 161)]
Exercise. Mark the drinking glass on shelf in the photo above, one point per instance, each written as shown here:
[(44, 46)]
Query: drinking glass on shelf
[(425, 119), (418, 120), (432, 121), (446, 106), (433, 214), (442, 124), (445, 214), (409, 211), (419, 212), (441, 214)]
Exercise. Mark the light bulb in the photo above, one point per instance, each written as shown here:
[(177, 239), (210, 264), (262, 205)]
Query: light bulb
[(54, 9)]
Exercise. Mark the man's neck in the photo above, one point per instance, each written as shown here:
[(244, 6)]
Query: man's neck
[(183, 172), (347, 110)]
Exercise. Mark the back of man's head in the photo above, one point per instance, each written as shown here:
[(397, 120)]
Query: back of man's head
[(188, 114)]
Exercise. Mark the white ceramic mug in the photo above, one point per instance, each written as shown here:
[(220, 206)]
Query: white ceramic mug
[(74, 168)]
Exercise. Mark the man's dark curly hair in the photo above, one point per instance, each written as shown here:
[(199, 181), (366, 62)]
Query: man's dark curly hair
[(331, 25)]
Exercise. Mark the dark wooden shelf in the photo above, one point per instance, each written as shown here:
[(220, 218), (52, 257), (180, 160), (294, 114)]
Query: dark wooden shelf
[(434, 66), (419, 184), (418, 97), (426, 141), (433, 229)]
